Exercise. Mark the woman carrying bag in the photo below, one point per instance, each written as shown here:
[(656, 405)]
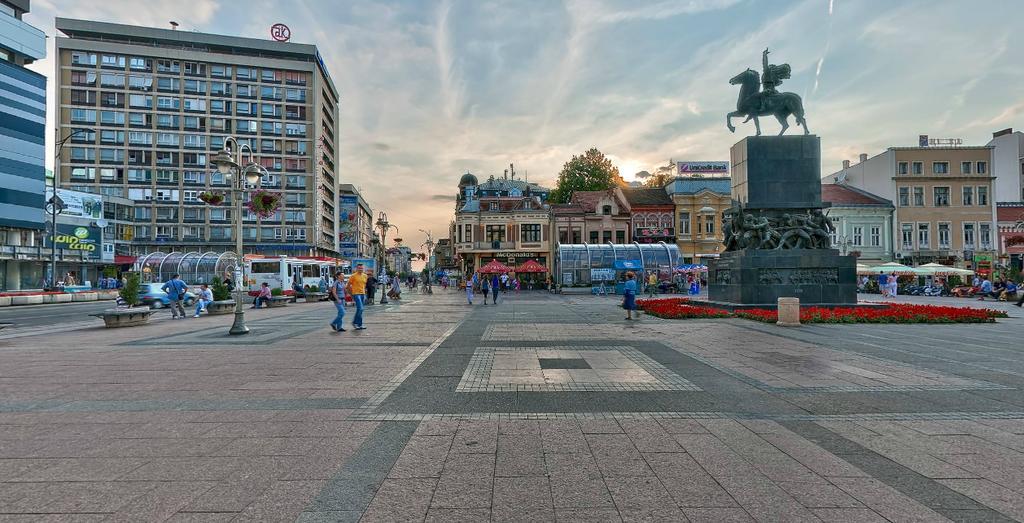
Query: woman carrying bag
[(629, 295)]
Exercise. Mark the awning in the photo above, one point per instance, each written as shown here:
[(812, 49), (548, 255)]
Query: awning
[(124, 260), (635, 265), (494, 267), (531, 266)]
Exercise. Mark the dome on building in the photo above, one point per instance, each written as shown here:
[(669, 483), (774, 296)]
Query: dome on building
[(467, 180)]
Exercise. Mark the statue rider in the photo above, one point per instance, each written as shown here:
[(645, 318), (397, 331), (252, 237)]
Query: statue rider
[(772, 77)]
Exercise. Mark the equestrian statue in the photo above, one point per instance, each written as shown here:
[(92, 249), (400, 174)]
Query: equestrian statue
[(758, 97)]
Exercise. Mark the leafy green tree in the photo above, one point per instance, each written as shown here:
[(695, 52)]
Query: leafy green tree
[(590, 171), (220, 290), (130, 292)]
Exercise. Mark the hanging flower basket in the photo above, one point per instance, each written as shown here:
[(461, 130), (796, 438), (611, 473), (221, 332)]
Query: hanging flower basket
[(264, 203), (212, 197)]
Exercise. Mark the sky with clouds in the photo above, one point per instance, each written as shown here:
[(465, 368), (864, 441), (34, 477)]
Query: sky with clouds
[(432, 89)]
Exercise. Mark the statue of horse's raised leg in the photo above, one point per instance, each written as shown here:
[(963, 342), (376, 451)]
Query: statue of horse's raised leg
[(728, 119), (757, 124)]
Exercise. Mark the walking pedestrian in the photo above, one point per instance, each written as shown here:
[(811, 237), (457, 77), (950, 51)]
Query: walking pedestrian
[(485, 286), (629, 295), (504, 283), (371, 288), (337, 294), (495, 285), (357, 288), (205, 298), (652, 284), (470, 282), (175, 290), (324, 283), (396, 287)]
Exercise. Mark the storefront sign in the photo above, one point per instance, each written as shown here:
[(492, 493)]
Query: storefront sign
[(602, 274), (79, 204), (79, 239), (924, 141), (689, 168)]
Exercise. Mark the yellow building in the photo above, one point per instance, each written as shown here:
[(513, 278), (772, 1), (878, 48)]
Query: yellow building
[(945, 212), (700, 204)]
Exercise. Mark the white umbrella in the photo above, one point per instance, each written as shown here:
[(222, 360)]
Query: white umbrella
[(937, 269), (896, 268)]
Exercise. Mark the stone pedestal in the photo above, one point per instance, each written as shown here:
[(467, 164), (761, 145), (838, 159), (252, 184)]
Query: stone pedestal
[(775, 177), (777, 172), (789, 312), (761, 277)]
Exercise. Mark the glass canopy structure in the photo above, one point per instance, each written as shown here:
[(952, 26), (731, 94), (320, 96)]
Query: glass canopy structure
[(194, 267), (581, 264)]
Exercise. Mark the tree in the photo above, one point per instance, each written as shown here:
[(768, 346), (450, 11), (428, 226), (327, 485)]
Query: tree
[(590, 171), (662, 175), (130, 292)]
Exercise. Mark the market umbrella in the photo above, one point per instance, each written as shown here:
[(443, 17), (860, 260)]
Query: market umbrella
[(898, 268), (937, 269), (863, 269), (494, 266), (531, 266)]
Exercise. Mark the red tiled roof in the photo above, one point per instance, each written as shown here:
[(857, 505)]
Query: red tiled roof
[(588, 199), (838, 194)]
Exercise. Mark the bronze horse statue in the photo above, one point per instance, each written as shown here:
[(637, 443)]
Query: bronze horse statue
[(752, 103)]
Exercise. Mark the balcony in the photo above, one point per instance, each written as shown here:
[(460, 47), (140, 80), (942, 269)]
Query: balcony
[(492, 246)]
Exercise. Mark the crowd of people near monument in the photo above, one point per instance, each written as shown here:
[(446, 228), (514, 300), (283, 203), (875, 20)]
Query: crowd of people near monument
[(981, 287)]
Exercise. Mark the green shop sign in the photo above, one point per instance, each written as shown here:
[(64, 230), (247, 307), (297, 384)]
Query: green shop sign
[(80, 239)]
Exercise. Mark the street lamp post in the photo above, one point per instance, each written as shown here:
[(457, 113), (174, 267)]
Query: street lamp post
[(383, 224), (55, 205), (248, 175), (429, 244)]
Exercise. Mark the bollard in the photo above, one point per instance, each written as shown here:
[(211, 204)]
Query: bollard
[(789, 312)]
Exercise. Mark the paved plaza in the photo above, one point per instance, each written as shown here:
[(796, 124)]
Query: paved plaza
[(540, 408)]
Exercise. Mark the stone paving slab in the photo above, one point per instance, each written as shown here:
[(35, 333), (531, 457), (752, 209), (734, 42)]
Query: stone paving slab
[(445, 412)]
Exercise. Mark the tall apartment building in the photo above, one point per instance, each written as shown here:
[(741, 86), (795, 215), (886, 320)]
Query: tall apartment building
[(150, 107), (22, 154), (945, 211)]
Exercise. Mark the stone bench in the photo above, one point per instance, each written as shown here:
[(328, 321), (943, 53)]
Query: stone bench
[(279, 301)]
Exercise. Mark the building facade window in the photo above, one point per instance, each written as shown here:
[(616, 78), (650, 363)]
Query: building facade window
[(982, 195), (595, 237), (985, 236), (876, 236), (917, 168), (858, 236), (907, 236), (941, 196), (530, 232), (494, 233), (620, 237), (924, 236), (904, 200), (965, 167), (982, 168), (943, 235), (684, 223), (902, 168), (940, 167), (919, 196), (969, 236), (968, 195), (606, 210)]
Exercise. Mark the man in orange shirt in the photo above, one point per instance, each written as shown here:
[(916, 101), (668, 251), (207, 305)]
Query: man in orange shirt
[(357, 288)]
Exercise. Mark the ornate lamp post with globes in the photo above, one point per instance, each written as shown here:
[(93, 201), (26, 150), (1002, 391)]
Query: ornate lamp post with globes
[(383, 224), (239, 179)]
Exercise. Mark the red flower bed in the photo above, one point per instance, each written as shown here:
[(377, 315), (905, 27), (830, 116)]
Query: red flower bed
[(678, 308)]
